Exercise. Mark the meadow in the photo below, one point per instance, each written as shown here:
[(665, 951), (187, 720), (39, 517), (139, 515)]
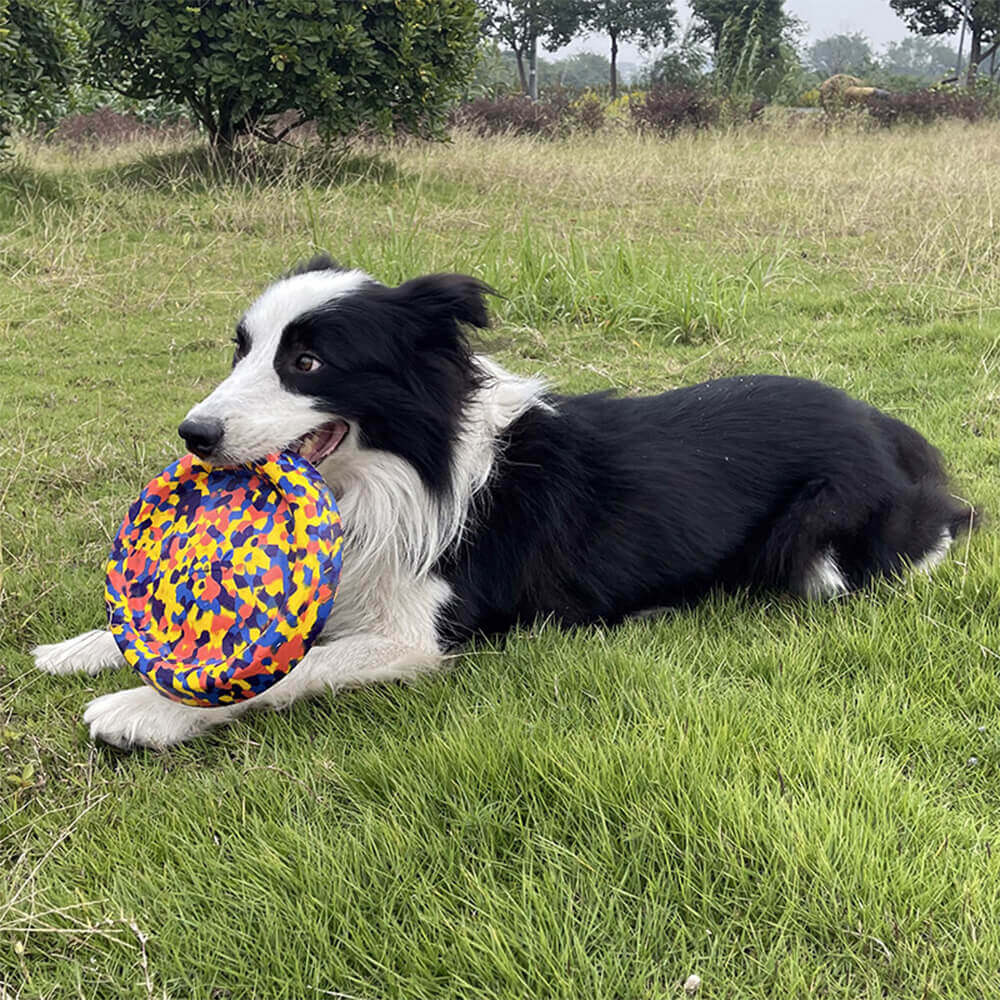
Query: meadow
[(786, 800)]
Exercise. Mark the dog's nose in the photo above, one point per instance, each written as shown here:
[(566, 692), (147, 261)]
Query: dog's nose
[(201, 436)]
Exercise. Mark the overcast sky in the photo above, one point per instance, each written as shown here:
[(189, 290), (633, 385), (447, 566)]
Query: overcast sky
[(820, 18)]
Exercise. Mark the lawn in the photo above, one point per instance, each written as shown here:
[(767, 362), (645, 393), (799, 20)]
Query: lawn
[(785, 800)]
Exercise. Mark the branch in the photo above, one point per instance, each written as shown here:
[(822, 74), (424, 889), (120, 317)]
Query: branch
[(267, 136)]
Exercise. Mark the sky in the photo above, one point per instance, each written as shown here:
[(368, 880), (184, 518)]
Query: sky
[(821, 18)]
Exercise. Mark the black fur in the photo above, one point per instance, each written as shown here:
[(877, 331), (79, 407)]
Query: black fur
[(599, 507), (609, 506), (397, 362)]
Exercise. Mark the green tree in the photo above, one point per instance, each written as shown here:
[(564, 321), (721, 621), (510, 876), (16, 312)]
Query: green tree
[(682, 65), (39, 55), (522, 24), (339, 63), (714, 20), (919, 59), (751, 47), (980, 18), (842, 54), (646, 22), (577, 72)]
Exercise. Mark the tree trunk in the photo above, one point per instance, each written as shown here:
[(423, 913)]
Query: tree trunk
[(614, 65), (224, 135), (522, 76), (533, 70), (975, 54)]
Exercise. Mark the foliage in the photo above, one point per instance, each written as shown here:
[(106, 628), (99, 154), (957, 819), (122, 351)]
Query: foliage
[(557, 114), (107, 127), (682, 65), (342, 64), (751, 62), (717, 19), (492, 76), (927, 106), (496, 72), (919, 58), (668, 111), (939, 17), (39, 51), (842, 54), (646, 22), (576, 72), (522, 24), (752, 46)]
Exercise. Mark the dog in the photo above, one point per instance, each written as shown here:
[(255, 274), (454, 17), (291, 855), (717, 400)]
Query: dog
[(474, 499)]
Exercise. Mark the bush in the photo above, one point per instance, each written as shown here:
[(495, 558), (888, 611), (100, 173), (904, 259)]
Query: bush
[(39, 51), (558, 113), (667, 111), (926, 106), (342, 64), (107, 127)]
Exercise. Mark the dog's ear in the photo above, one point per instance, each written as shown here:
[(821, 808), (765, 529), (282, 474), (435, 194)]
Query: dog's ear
[(448, 296)]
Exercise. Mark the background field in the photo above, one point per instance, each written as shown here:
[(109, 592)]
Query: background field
[(785, 800)]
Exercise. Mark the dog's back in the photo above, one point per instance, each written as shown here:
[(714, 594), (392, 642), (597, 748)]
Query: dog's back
[(601, 507)]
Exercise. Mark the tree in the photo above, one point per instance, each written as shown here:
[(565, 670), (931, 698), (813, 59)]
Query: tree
[(647, 22), (339, 63), (682, 65), (522, 24), (577, 72), (751, 49), (980, 18), (842, 54), (919, 58), (714, 19), (39, 53)]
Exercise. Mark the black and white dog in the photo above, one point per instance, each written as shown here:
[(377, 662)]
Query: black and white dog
[(474, 499)]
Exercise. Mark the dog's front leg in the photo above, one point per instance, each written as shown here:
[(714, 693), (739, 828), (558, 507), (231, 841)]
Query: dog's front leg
[(141, 717), (88, 653)]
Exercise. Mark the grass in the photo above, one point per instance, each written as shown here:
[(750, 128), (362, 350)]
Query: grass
[(786, 800)]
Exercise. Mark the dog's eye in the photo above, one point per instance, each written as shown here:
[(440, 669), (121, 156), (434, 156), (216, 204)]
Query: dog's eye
[(307, 363)]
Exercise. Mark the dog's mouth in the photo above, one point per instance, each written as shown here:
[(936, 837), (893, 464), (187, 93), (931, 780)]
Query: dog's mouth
[(322, 442)]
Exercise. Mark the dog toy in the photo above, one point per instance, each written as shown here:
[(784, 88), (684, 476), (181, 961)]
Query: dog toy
[(220, 580)]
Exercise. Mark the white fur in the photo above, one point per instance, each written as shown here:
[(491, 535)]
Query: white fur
[(89, 653), (383, 625), (933, 557), (824, 580), (259, 414)]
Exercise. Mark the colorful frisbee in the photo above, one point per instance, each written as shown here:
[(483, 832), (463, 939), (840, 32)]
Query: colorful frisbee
[(220, 580)]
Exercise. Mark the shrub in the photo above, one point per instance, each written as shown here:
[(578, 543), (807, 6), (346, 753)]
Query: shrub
[(667, 111), (558, 114), (516, 115), (925, 106), (343, 64), (587, 112), (39, 49), (107, 127)]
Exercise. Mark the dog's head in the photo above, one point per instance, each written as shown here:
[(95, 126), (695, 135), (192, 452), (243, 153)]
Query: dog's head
[(329, 361)]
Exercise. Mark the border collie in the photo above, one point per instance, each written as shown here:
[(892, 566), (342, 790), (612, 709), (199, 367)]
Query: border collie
[(474, 499)]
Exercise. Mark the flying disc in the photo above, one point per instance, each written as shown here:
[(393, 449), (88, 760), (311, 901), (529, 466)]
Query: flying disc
[(220, 580)]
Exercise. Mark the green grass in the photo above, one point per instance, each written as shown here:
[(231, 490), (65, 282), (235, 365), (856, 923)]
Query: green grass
[(786, 800)]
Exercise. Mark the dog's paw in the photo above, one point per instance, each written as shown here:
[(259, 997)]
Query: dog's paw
[(89, 653), (140, 717)]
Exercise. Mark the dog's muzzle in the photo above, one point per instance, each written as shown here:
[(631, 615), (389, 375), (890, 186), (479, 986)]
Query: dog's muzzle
[(202, 436)]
